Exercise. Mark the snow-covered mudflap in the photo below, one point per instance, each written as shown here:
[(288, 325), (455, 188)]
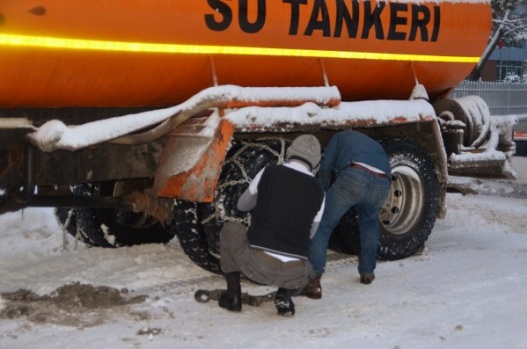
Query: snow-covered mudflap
[(409, 213)]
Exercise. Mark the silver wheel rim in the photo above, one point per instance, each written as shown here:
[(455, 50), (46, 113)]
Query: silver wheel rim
[(404, 204)]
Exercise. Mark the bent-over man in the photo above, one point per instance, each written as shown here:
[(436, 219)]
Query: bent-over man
[(362, 170)]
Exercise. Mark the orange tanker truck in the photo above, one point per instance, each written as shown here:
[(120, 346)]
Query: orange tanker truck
[(142, 120)]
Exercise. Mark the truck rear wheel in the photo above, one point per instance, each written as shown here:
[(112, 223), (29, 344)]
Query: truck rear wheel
[(409, 214), (197, 226), (107, 227), (196, 245)]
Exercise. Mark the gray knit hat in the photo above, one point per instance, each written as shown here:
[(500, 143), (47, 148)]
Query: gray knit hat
[(305, 147)]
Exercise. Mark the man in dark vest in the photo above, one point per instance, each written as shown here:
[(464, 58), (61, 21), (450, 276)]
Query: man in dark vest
[(362, 173), (286, 204)]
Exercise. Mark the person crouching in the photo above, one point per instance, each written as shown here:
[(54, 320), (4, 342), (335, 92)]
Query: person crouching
[(286, 204)]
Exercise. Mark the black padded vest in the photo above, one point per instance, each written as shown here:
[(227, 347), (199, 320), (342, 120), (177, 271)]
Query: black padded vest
[(287, 203)]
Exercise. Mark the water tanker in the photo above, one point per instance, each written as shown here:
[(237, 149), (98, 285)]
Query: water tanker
[(93, 54), (144, 120)]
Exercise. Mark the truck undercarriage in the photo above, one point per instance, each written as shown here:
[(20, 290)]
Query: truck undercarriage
[(148, 176)]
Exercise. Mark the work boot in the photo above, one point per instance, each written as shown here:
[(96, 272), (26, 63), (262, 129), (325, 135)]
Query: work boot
[(284, 303), (313, 289), (232, 298), (230, 301), (367, 279)]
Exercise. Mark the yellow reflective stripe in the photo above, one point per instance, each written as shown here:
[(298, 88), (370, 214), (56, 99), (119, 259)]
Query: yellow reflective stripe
[(99, 45)]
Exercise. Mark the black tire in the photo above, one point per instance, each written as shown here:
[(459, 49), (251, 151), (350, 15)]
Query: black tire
[(106, 227), (198, 227), (67, 219), (191, 238), (410, 212)]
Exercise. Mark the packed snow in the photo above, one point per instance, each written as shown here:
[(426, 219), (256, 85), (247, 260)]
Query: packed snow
[(466, 291), (54, 134)]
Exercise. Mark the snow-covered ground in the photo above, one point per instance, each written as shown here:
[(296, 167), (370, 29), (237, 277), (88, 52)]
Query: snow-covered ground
[(467, 291)]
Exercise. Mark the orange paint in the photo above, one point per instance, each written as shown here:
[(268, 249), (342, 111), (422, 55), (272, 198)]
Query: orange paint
[(388, 55), (199, 183)]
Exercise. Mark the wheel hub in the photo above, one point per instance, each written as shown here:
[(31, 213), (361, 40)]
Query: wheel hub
[(402, 208)]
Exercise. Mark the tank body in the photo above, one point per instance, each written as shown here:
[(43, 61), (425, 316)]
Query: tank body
[(149, 53)]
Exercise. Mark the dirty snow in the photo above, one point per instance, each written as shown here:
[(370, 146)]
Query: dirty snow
[(467, 291)]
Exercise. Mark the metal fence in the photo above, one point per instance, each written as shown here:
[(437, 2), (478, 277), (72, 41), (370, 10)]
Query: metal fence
[(502, 98)]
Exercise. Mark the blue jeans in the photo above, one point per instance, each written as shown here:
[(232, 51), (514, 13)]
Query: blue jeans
[(365, 191)]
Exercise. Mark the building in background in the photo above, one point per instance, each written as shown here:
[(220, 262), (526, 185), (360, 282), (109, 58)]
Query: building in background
[(508, 62)]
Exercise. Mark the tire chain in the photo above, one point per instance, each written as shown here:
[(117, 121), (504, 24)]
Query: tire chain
[(219, 212)]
